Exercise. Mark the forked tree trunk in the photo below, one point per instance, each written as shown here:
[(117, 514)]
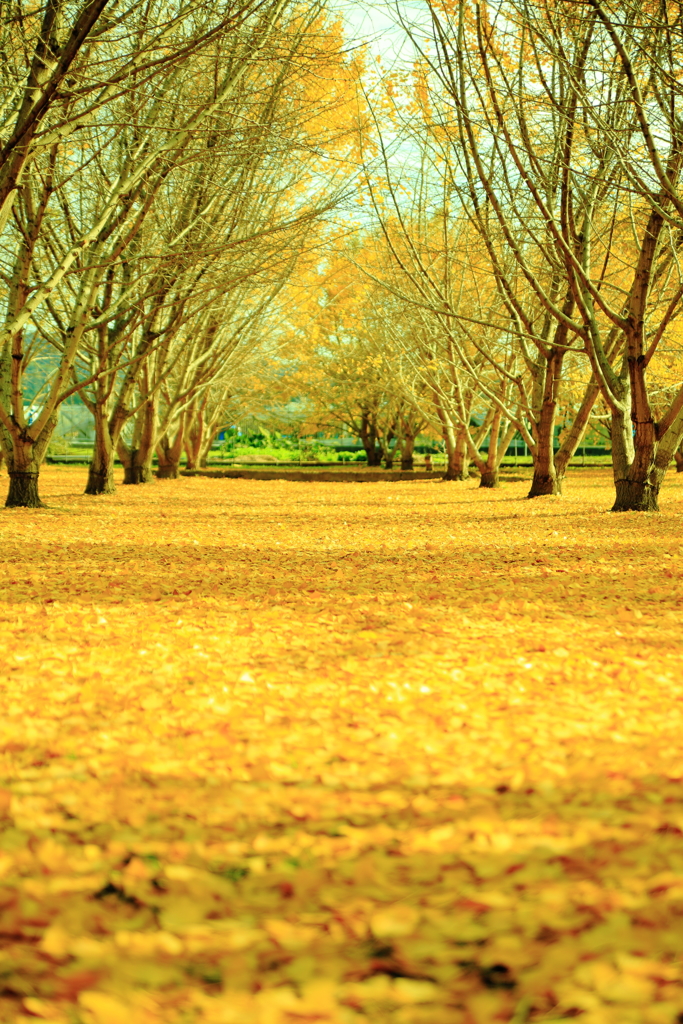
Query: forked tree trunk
[(640, 459), (137, 457), (168, 463), (576, 432), (407, 460), (489, 478), (101, 471), (457, 458), (637, 475), (23, 489), (194, 438), (498, 446), (455, 443), (545, 479), (100, 477), (205, 447), (389, 453), (210, 435), (139, 471), (489, 469), (169, 452), (636, 483), (23, 465), (368, 437), (637, 495)]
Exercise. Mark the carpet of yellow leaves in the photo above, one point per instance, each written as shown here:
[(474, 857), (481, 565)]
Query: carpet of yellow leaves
[(279, 753)]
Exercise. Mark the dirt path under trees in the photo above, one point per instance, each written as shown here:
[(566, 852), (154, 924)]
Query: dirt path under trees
[(276, 752)]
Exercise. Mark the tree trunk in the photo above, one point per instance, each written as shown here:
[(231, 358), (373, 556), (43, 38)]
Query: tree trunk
[(168, 454), (368, 437), (637, 495), (638, 481), (137, 459), (137, 465), (137, 472), (389, 451), (24, 455), (407, 461), (577, 431), (489, 478), (210, 434), (497, 448), (194, 441), (636, 491), (545, 479), (457, 466), (100, 479), (23, 490), (634, 449), (101, 471)]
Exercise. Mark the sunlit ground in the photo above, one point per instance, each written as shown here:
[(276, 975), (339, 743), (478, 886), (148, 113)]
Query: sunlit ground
[(281, 752)]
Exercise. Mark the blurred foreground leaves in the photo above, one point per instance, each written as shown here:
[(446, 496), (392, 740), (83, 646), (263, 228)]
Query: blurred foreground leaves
[(280, 753)]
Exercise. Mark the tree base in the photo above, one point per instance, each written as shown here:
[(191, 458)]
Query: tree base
[(23, 491), (137, 475), (489, 478), (456, 474), (635, 496), (171, 472), (407, 464), (100, 481), (544, 484)]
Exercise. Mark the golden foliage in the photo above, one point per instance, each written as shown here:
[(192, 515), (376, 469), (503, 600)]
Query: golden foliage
[(283, 753)]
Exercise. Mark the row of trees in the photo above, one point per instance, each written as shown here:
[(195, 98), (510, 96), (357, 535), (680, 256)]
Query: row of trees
[(525, 271), (554, 133), (166, 175), (165, 169)]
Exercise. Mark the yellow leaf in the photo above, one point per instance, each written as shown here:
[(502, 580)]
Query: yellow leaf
[(103, 1008), (290, 936), (394, 922), (55, 942)]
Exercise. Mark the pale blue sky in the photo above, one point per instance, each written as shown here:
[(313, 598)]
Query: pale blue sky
[(375, 23)]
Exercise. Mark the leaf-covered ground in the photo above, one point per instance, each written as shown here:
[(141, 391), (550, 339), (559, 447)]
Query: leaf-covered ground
[(278, 753)]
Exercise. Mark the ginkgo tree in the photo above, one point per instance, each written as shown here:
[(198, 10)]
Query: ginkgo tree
[(58, 251), (540, 109), (80, 257), (343, 369), (456, 264)]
